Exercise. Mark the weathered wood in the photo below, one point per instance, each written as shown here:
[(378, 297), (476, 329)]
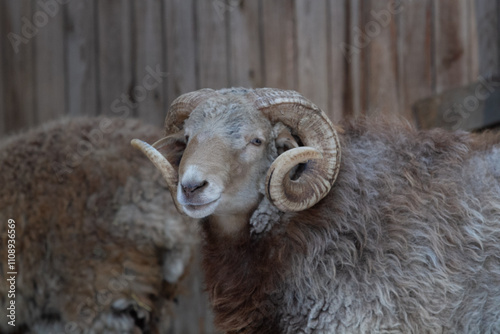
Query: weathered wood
[(17, 45), (180, 47), (352, 50), (115, 63), (451, 44), (212, 43), (472, 53), (312, 51), (470, 107), (279, 45), (488, 25), (81, 58), (50, 80), (148, 90), (415, 54), (337, 62), (245, 68), (381, 77)]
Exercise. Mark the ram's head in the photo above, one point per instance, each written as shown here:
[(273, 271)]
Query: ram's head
[(223, 149)]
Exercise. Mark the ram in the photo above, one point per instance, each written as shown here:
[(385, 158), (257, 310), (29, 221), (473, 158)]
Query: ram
[(99, 246), (309, 227)]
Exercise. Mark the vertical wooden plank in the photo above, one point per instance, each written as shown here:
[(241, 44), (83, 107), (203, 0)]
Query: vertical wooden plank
[(337, 69), (451, 44), (472, 53), (279, 49), (415, 54), (312, 51), (180, 47), (379, 29), (212, 43), (50, 69), (244, 45), (17, 45), (81, 58), (149, 90), (115, 63), (352, 50), (488, 20)]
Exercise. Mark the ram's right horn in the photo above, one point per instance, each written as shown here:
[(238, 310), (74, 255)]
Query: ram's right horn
[(168, 172)]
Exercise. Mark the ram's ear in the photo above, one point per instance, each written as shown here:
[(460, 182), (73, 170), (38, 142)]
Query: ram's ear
[(172, 147), (284, 139)]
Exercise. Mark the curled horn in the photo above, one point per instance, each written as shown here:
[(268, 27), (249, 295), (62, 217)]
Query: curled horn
[(182, 107), (178, 112), (320, 153)]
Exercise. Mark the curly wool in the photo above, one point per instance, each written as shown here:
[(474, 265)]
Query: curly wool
[(100, 247), (407, 241)]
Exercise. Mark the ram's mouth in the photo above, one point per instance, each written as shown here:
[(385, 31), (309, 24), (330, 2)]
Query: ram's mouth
[(201, 210)]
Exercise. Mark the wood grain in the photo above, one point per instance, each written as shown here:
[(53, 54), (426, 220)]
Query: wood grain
[(148, 56), (81, 58), (89, 57), (245, 67), (488, 25), (312, 51), (451, 44), (279, 44), (415, 48), (353, 53), (212, 39), (18, 72), (180, 47), (115, 58), (337, 26), (50, 69), (381, 58)]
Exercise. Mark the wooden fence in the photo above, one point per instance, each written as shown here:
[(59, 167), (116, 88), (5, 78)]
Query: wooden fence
[(132, 58)]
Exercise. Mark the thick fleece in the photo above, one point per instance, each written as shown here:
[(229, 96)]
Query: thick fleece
[(406, 241), (99, 245)]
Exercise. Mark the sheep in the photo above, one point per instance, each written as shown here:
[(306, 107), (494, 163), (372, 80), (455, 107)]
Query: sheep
[(99, 245), (369, 226)]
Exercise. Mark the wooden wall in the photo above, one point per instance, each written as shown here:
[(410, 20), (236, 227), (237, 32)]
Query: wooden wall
[(350, 57)]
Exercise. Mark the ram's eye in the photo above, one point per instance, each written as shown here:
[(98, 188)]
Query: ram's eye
[(256, 141), (186, 138)]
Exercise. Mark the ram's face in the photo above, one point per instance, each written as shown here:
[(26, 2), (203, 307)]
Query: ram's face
[(227, 148), (228, 151)]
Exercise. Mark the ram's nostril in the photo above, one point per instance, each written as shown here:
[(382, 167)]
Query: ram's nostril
[(191, 187)]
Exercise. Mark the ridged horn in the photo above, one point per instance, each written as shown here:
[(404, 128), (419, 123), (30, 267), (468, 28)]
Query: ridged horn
[(320, 153), (167, 171), (179, 111), (182, 107)]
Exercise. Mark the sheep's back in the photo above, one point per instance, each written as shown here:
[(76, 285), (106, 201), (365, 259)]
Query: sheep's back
[(94, 222), (408, 239)]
